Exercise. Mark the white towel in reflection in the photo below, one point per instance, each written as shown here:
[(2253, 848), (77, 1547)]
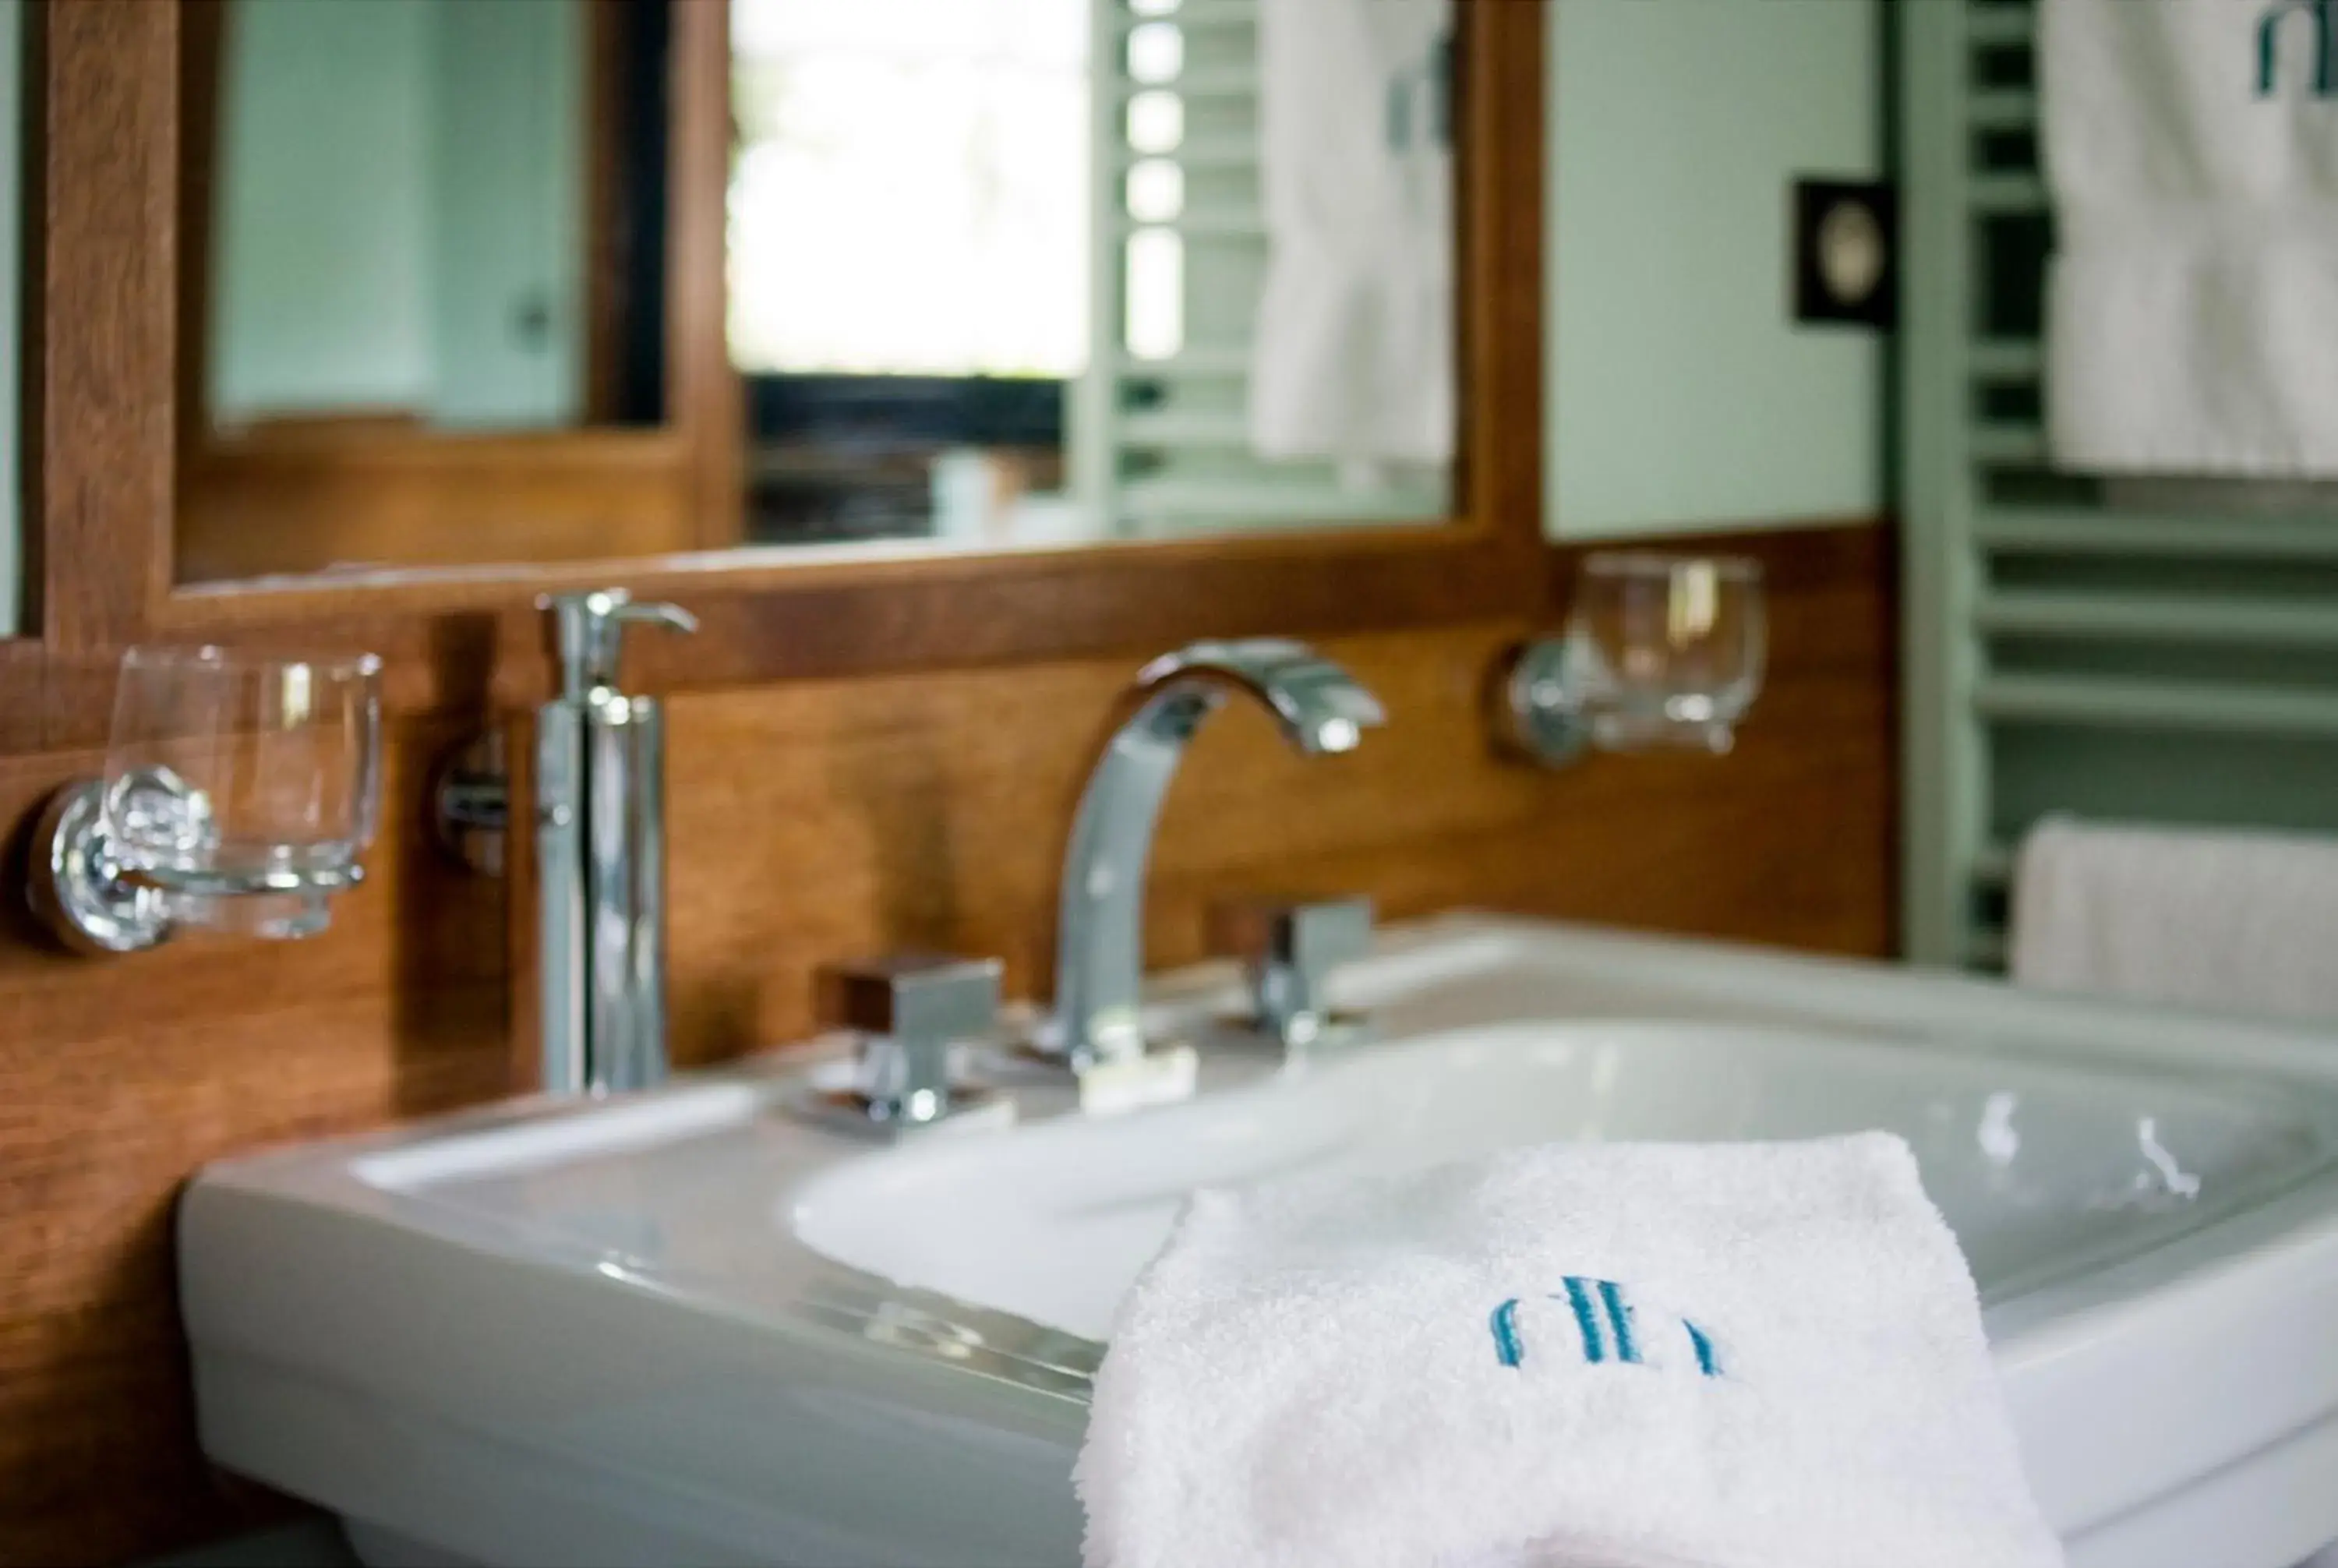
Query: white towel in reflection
[(1352, 353), (2229, 921), (2192, 148)]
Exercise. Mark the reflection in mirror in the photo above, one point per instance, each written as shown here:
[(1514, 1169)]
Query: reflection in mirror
[(11, 272), (406, 213), (487, 281), (1012, 272)]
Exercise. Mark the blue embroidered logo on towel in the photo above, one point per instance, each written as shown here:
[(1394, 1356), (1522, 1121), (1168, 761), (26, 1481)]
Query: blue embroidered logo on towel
[(1604, 1318), (2270, 29)]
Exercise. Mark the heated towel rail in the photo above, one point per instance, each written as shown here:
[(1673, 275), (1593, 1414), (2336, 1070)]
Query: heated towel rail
[(2161, 651), (1160, 432)]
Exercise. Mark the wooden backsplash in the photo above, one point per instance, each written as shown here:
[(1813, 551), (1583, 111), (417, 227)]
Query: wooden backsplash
[(820, 818)]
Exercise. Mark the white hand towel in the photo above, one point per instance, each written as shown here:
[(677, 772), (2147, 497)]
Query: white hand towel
[(2192, 149), (2238, 922), (1626, 1355), (1352, 357)]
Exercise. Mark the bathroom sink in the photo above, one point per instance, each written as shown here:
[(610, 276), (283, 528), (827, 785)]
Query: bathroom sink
[(687, 1326)]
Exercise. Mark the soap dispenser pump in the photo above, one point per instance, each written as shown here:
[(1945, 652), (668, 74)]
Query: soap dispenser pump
[(600, 854)]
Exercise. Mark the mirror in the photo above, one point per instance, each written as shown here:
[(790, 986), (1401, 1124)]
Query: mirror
[(974, 274)]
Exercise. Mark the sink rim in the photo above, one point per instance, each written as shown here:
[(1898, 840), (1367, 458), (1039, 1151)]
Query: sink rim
[(388, 1175)]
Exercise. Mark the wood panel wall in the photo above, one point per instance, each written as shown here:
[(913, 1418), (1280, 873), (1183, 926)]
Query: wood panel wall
[(810, 819)]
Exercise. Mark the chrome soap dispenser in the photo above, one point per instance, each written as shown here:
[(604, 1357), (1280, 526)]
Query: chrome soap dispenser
[(600, 854)]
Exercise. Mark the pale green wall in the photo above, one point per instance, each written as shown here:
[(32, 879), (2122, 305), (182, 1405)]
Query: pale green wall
[(1681, 396), (321, 291), (399, 181), (508, 190)]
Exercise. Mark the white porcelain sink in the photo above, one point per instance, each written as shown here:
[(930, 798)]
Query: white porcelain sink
[(688, 1328)]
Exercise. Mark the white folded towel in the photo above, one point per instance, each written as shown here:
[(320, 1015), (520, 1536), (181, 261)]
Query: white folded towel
[(1352, 354), (1601, 1356), (2237, 922), (2192, 148)]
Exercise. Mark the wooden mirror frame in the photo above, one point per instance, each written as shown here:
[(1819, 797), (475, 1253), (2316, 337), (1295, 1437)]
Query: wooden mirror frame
[(102, 380)]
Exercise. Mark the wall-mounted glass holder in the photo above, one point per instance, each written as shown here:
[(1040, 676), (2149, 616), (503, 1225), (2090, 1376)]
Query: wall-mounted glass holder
[(1659, 652), (238, 792)]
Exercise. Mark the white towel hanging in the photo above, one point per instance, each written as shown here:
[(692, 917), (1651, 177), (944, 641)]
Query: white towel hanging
[(2192, 310), (1353, 352), (2229, 921)]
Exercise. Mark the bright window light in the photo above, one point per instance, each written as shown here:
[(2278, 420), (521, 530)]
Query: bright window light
[(1156, 120), (910, 192), (1156, 52), (1156, 191), (1156, 293)]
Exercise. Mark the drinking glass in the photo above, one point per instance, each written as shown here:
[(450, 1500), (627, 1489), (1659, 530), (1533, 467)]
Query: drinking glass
[(1666, 649), (242, 786)]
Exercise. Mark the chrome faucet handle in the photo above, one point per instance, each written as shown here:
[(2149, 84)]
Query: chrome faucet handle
[(908, 1009), (1289, 950)]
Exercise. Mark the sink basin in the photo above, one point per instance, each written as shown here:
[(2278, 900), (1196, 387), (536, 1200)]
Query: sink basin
[(687, 1326), (2043, 1172)]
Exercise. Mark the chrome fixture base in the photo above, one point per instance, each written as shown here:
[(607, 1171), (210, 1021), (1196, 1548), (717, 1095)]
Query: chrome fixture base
[(1301, 1037), (1161, 1072), (77, 887), (1157, 1076), (971, 1108), (1540, 715), (470, 805)]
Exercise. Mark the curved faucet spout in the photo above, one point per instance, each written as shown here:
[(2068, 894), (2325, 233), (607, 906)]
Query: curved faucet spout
[(1099, 933)]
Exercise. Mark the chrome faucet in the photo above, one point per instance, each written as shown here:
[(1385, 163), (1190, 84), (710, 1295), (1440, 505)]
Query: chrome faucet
[(1099, 934), (600, 855)]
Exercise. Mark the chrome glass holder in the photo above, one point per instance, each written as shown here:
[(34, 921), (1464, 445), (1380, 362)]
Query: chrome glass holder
[(1659, 652), (95, 902), (79, 888), (1540, 715)]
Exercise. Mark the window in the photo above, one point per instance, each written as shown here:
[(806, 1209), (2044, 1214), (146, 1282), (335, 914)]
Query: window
[(909, 194)]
